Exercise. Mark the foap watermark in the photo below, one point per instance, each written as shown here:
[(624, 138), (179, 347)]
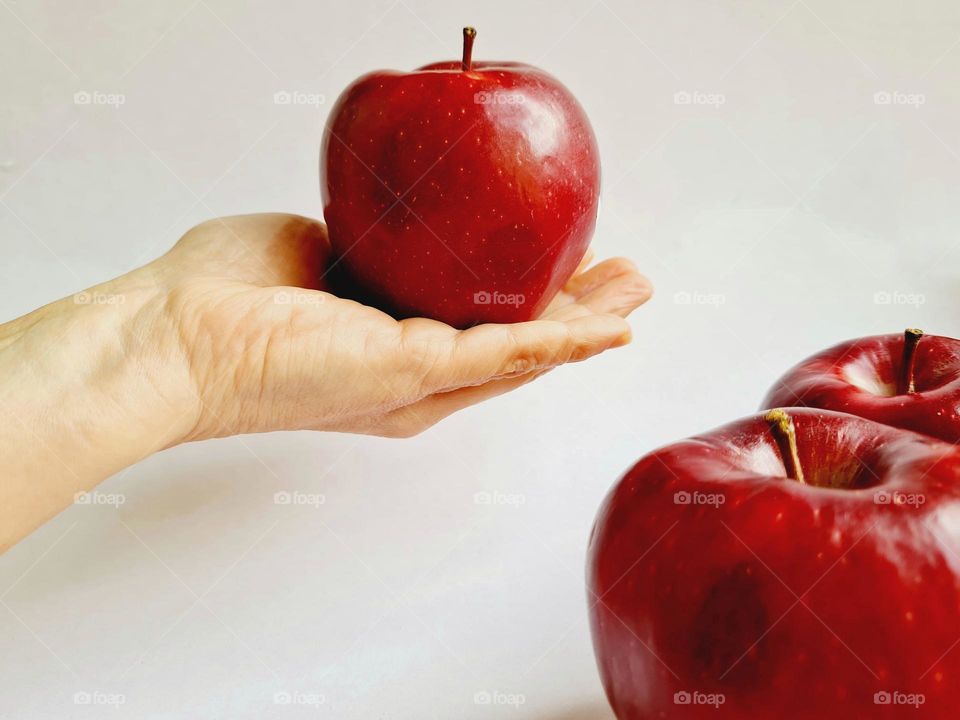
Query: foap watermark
[(698, 97), (99, 498), (911, 299), (284, 497), (497, 697), (885, 497), (298, 97), (685, 297), (98, 298), (498, 97), (286, 297), (896, 697), (499, 298), (683, 497), (895, 97), (485, 497), (96, 97), (695, 697), (301, 699), (95, 697)]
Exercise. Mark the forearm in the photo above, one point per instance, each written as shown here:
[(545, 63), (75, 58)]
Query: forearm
[(88, 385)]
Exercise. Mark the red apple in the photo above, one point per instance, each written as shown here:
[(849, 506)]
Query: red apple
[(789, 566), (910, 381), (463, 191)]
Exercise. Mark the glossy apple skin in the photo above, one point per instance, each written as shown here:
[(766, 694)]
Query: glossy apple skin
[(792, 601), (859, 377), (440, 186)]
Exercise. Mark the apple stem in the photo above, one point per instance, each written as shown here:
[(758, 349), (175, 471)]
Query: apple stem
[(781, 424), (469, 34), (911, 338)]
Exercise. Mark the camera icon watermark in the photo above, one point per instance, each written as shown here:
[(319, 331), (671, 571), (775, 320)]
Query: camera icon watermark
[(95, 298), (498, 97), (485, 497), (496, 697), (896, 697), (697, 97), (298, 97), (301, 297), (484, 297), (902, 499), (686, 297), (694, 697), (895, 97), (910, 299), (301, 699), (99, 498), (284, 497), (684, 497), (95, 697), (95, 97)]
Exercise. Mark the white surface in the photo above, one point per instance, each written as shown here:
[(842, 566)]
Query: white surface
[(794, 203)]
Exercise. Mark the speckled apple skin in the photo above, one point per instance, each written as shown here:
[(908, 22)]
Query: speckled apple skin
[(466, 197), (791, 601), (859, 377)]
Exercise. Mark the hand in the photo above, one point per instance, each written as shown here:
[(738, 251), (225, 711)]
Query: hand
[(268, 349), (232, 332)]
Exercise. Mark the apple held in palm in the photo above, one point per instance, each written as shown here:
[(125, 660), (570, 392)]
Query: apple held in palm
[(463, 191)]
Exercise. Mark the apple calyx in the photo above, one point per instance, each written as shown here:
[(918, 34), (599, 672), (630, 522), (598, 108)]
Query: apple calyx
[(469, 34), (784, 432), (905, 381)]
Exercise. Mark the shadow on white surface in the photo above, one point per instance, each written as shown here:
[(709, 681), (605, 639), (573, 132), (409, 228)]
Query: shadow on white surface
[(593, 710)]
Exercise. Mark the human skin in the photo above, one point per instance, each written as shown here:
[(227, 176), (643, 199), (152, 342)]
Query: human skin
[(233, 331)]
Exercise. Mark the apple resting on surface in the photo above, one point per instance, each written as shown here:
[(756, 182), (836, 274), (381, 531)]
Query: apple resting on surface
[(463, 191), (910, 381), (803, 564)]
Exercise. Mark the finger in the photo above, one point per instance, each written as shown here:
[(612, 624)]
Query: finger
[(585, 262), (600, 274), (562, 298), (486, 352), (414, 419), (614, 269), (620, 295)]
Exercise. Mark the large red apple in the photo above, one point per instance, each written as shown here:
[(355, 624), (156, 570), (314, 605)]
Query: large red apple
[(910, 381), (794, 566), (463, 191)]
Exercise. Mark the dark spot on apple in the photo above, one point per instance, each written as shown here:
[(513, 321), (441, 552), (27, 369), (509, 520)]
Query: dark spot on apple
[(728, 632), (398, 218)]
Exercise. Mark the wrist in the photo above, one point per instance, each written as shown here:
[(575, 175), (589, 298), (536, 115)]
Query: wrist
[(99, 377), (88, 386)]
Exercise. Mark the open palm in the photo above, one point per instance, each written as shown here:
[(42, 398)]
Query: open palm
[(269, 348)]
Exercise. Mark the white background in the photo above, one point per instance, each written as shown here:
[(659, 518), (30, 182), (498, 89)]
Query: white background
[(782, 213)]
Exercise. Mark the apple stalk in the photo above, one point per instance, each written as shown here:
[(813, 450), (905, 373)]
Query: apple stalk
[(905, 382), (469, 34), (784, 432)]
